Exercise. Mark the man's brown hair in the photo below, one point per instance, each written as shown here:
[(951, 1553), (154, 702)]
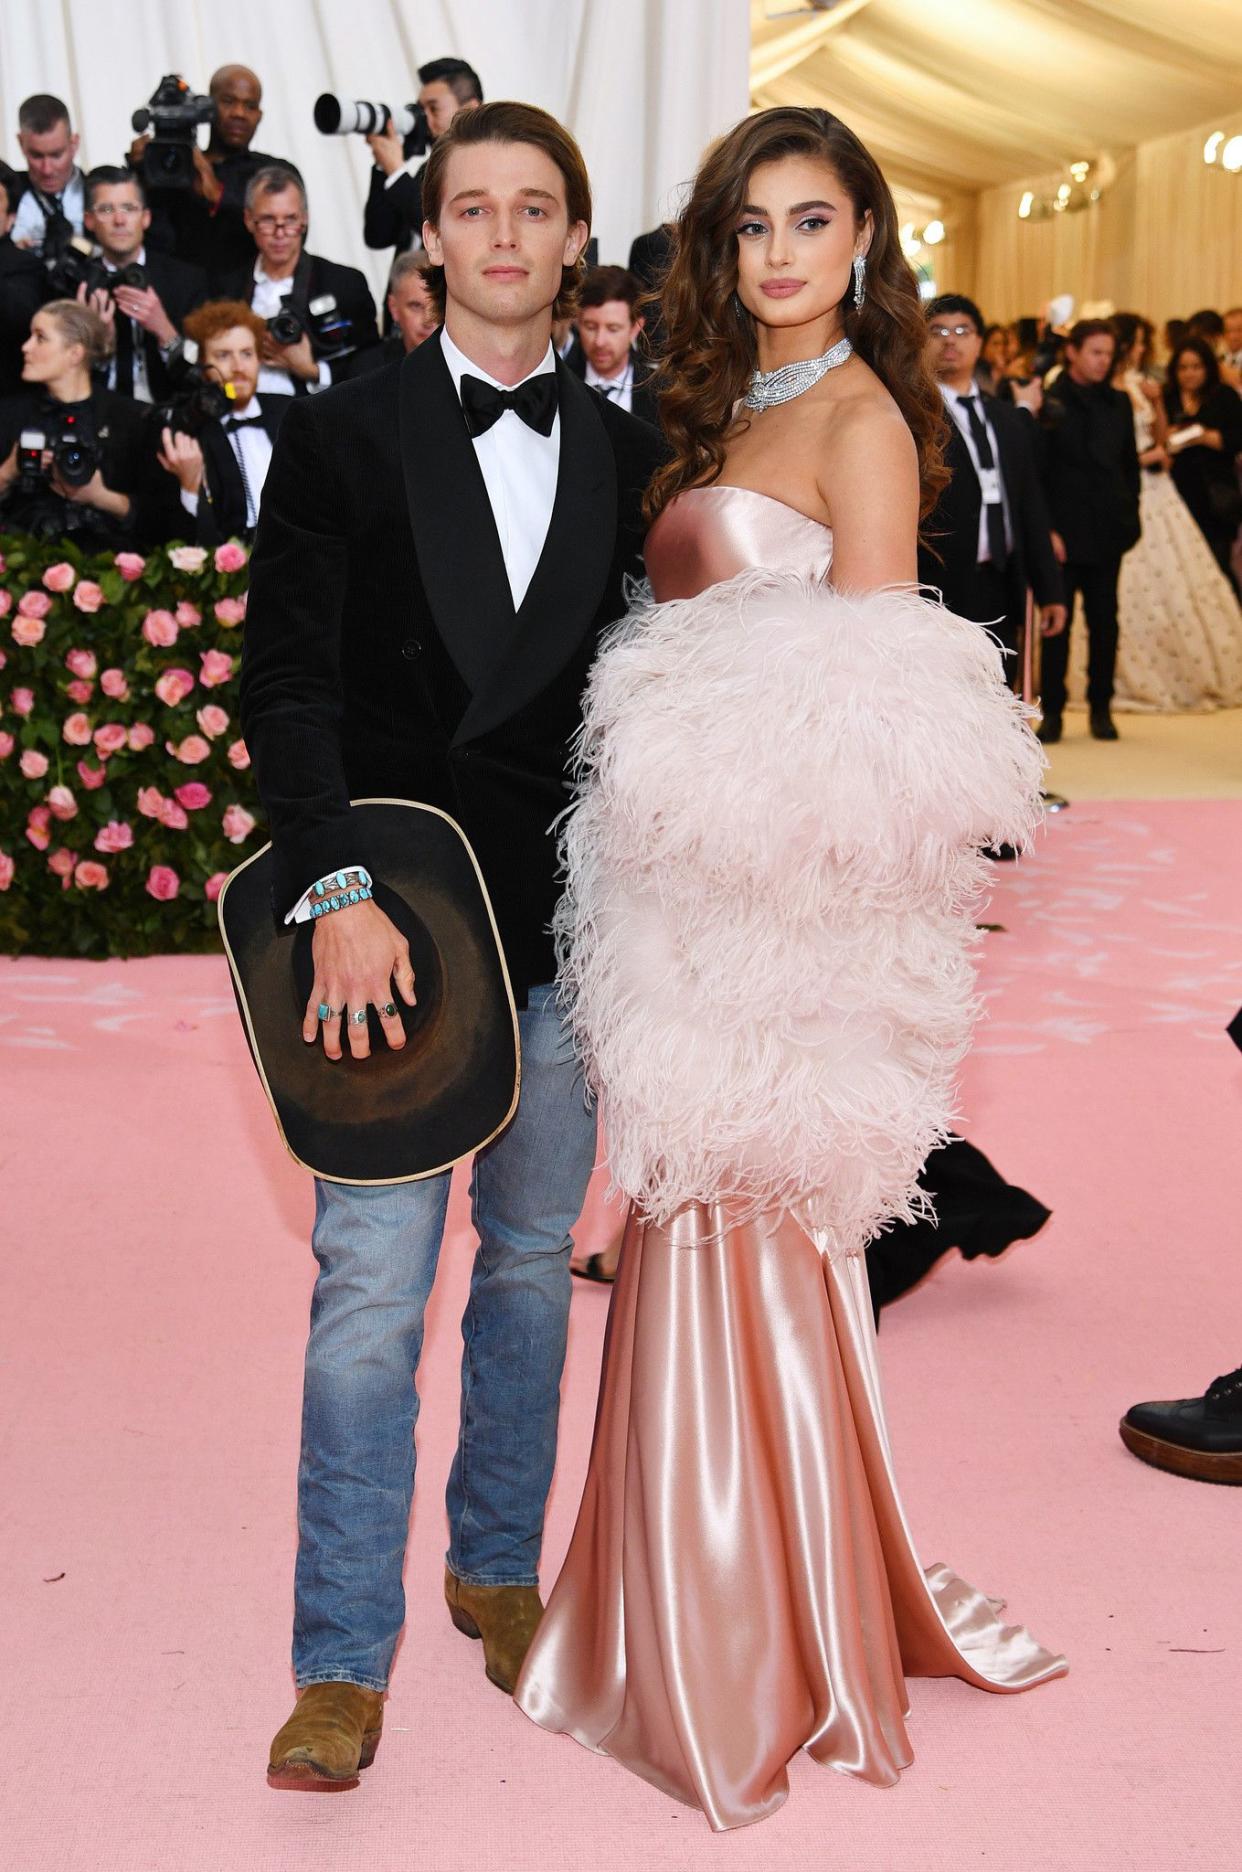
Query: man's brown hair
[(514, 123), (220, 315), (603, 284)]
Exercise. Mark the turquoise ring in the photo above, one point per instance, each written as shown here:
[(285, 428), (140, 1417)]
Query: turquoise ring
[(325, 1012), (358, 1017)]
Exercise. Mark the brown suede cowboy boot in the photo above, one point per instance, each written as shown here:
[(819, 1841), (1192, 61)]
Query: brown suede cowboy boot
[(504, 1617), (333, 1732)]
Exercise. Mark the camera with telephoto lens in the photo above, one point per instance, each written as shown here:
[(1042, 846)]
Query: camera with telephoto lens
[(336, 116), (198, 398), (172, 114), (75, 457), (331, 333)]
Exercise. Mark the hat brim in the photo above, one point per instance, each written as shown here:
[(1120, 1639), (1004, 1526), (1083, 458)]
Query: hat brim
[(402, 1114)]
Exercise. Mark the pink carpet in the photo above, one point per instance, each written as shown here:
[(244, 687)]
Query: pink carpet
[(156, 1278)]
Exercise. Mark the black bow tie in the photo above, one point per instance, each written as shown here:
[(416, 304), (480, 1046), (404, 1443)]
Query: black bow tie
[(534, 401), (242, 422)]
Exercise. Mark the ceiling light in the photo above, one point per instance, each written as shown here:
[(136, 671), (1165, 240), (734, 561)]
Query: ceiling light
[(1080, 171), (1231, 155), (1211, 149), (933, 233), (1025, 206)]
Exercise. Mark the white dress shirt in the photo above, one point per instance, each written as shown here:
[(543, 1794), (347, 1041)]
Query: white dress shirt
[(253, 449), (619, 389), (30, 220), (266, 299), (956, 405)]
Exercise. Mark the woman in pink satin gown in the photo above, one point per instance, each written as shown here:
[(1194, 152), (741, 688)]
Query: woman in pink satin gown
[(790, 762)]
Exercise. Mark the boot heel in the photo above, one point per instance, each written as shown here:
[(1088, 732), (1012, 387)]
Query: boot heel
[(370, 1744), (464, 1622)]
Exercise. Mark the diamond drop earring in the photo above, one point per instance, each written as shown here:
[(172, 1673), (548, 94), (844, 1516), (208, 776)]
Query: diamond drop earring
[(860, 274)]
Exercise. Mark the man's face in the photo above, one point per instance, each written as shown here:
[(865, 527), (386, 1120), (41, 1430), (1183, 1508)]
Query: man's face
[(504, 233), (277, 225), (607, 333), (117, 219), (1091, 361), (1233, 331), (50, 156), (953, 345), (233, 357), (413, 310), (441, 106), (238, 99)]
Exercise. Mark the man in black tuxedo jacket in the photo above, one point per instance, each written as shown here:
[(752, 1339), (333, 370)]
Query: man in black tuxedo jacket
[(607, 354), (989, 538), (147, 320), (393, 216), (23, 286), (442, 543), (285, 278), (221, 470)]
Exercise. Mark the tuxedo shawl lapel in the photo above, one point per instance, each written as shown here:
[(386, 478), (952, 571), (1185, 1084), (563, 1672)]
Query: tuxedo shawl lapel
[(564, 594), (460, 560)]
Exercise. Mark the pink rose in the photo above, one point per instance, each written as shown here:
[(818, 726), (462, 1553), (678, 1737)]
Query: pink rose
[(150, 802), (110, 739), (130, 566), (211, 889), (193, 795), (34, 604), (212, 720), (61, 803), (172, 816), (188, 558), (7, 868), (162, 883), (82, 663), (113, 684), (6, 602), (33, 764), (91, 876), (229, 611), (190, 751), (161, 629), (37, 822), (77, 731), (88, 597), (186, 614), (60, 577), (22, 701), (28, 631), (141, 735), (79, 691), (7, 744), (238, 824), (116, 836), (62, 862), (230, 557), (239, 756), (217, 668), (91, 777), (174, 686)]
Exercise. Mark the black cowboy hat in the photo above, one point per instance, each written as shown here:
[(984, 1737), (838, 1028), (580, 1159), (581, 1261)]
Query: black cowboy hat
[(401, 1115)]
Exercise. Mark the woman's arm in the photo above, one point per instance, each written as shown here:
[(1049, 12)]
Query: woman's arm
[(869, 481)]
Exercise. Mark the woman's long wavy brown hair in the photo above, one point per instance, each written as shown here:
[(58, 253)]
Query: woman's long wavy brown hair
[(709, 349)]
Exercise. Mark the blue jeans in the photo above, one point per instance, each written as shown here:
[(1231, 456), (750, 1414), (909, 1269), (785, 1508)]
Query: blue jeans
[(377, 1250)]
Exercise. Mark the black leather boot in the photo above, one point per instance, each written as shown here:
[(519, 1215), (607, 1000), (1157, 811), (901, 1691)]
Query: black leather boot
[(1198, 1437)]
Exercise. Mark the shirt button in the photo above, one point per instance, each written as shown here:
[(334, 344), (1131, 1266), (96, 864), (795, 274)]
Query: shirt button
[(411, 648)]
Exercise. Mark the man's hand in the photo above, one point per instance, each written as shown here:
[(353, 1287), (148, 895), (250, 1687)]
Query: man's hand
[(1052, 619), (148, 309), (180, 455), (386, 148), (207, 183), (359, 953), (1029, 396), (8, 470), (1058, 547), (298, 359), (99, 301), (138, 151), (93, 493)]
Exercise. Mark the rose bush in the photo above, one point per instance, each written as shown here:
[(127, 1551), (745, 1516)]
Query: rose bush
[(126, 793)]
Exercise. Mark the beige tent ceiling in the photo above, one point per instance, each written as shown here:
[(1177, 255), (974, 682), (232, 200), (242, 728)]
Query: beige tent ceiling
[(967, 94)]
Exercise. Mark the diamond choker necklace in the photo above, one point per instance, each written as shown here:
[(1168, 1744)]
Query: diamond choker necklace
[(790, 380)]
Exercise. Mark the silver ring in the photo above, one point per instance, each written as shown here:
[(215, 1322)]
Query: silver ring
[(358, 1017)]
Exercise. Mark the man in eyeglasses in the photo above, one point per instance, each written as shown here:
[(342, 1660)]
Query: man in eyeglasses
[(989, 537), (146, 317), (328, 308)]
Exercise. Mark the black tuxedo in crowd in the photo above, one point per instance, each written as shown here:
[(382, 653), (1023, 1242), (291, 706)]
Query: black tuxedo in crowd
[(642, 397), (393, 216), (383, 655), (181, 288), (949, 553), (23, 289), (222, 501), (215, 239), (315, 277), (649, 259)]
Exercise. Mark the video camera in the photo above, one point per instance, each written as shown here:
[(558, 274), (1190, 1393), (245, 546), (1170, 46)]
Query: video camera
[(199, 398), (331, 333), (75, 456), (336, 116), (172, 114)]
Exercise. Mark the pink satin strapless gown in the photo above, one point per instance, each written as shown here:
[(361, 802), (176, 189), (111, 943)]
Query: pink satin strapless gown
[(742, 1582)]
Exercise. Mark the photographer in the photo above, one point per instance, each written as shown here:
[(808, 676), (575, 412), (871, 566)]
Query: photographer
[(608, 353), (221, 463), (23, 287), (319, 314), (51, 209), (146, 295), (73, 458), (413, 305), (205, 225), (393, 216)]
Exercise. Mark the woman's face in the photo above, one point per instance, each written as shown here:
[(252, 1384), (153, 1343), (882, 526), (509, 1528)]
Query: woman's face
[(46, 354), (996, 350), (797, 236), (1191, 374)]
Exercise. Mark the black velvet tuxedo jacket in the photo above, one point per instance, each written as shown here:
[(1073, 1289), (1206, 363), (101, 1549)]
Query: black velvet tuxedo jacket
[(949, 556), (383, 655)]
